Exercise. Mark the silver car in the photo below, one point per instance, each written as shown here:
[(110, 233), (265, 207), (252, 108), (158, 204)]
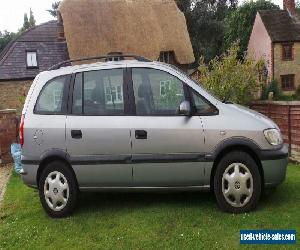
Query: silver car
[(142, 125)]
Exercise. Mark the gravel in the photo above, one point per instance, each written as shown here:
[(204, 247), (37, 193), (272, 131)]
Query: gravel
[(5, 171)]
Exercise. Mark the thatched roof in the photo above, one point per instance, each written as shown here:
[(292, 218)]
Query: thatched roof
[(143, 27)]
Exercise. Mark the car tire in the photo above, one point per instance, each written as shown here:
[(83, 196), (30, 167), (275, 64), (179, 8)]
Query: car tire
[(58, 189), (237, 183)]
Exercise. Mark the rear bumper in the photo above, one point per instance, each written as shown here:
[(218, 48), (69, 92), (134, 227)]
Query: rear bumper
[(29, 174), (274, 164)]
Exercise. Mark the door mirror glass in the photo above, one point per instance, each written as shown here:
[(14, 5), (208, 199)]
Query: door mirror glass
[(185, 108)]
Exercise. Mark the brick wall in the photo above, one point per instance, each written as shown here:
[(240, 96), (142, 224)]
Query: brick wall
[(13, 93), (8, 133), (287, 117)]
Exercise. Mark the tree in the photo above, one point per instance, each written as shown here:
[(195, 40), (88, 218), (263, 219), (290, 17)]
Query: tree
[(31, 19), (205, 24), (53, 10), (5, 38), (232, 79), (28, 23), (239, 23)]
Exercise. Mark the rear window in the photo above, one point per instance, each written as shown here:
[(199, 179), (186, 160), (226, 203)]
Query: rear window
[(50, 100)]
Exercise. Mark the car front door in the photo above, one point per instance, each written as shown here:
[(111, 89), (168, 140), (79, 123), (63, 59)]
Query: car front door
[(97, 133), (167, 148)]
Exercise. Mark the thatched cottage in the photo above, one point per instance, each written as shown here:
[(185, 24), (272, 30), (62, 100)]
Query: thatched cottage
[(275, 38), (155, 29)]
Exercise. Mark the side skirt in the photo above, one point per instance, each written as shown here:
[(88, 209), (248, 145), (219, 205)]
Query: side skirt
[(145, 189)]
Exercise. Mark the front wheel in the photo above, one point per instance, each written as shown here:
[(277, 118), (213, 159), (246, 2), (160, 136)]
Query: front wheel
[(58, 189), (237, 183)]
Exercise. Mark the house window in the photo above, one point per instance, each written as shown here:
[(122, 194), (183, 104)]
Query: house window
[(287, 82), (165, 56), (114, 94), (31, 59), (287, 51)]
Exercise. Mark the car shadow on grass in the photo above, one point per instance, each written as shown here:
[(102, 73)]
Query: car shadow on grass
[(139, 200), (142, 200)]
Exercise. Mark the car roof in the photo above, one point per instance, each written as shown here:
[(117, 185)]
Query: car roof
[(107, 64)]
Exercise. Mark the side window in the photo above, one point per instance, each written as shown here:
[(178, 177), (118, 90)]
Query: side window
[(99, 93), (156, 92), (51, 97), (201, 105)]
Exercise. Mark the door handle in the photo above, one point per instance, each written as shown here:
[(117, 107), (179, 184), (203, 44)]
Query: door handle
[(76, 134), (141, 134)]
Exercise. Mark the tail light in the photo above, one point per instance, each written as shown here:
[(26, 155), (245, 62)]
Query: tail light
[(21, 131)]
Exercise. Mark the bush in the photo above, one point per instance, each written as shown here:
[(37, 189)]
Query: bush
[(297, 94), (231, 79), (277, 92)]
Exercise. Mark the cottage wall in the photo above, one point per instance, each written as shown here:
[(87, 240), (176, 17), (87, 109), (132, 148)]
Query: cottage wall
[(287, 67), (260, 44), (13, 93)]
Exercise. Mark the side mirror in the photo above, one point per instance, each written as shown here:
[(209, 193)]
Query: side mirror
[(185, 108)]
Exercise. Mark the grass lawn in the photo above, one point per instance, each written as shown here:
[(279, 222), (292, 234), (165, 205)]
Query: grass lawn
[(139, 221)]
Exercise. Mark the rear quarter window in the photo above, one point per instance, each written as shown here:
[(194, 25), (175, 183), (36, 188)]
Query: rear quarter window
[(51, 99)]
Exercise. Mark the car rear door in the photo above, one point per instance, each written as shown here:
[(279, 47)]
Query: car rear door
[(97, 133), (167, 148)]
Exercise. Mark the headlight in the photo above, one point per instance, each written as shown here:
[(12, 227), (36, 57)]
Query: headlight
[(273, 136)]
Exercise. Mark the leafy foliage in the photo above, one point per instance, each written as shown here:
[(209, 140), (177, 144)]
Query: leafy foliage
[(231, 79), (239, 23), (278, 95), (5, 38), (31, 19), (28, 23), (205, 24), (53, 10)]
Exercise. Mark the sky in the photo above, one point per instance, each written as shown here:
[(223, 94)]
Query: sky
[(12, 12)]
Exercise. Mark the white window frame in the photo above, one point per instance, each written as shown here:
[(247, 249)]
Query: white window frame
[(110, 90), (31, 59)]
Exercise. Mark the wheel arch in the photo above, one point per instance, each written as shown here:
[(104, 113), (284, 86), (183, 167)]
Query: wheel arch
[(54, 155), (236, 144)]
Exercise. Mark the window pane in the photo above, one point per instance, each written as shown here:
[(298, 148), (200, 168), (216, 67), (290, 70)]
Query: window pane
[(287, 82), (200, 104), (100, 92), (51, 98), (156, 92), (31, 59), (287, 51)]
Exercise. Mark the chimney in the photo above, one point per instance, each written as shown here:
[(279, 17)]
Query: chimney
[(289, 5)]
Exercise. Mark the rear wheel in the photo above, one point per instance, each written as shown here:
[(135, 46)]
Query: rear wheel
[(58, 189), (237, 183)]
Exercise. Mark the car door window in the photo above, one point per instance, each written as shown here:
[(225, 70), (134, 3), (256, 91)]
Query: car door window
[(99, 93), (156, 92), (50, 100), (200, 105)]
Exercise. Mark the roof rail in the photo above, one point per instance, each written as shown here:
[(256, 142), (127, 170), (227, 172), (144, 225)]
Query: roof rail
[(107, 57)]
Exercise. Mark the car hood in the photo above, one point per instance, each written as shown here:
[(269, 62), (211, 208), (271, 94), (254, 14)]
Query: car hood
[(252, 113)]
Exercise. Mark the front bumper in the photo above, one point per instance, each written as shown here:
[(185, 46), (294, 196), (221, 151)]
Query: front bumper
[(274, 164)]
